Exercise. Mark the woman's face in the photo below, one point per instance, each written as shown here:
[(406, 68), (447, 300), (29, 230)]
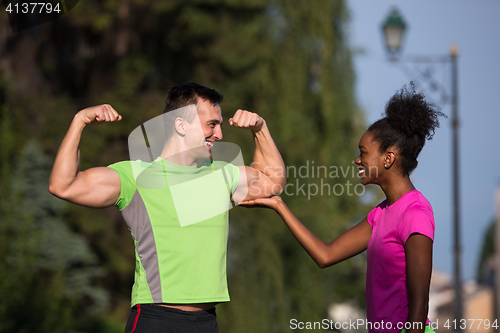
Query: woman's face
[(370, 160)]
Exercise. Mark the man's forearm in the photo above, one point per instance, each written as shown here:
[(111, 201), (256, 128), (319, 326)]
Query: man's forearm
[(67, 162), (267, 158)]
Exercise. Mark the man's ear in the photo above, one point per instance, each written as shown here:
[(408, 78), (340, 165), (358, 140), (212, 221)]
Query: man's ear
[(179, 126)]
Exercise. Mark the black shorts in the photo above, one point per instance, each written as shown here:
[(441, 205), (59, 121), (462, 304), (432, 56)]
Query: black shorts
[(150, 318)]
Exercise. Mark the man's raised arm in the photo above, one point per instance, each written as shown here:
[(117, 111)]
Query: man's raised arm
[(267, 175), (96, 187)]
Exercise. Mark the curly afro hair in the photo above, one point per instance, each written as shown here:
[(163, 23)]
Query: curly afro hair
[(409, 121)]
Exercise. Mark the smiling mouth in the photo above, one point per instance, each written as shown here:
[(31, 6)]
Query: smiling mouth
[(361, 172), (209, 144)]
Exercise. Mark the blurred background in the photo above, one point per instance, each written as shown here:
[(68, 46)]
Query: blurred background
[(317, 71)]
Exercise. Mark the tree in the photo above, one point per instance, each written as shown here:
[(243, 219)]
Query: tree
[(307, 98), (286, 60), (485, 269), (49, 267)]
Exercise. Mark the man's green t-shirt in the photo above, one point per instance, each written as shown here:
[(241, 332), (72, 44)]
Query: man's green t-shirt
[(178, 218)]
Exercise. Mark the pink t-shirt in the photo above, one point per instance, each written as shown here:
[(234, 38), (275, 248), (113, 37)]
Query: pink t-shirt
[(386, 296)]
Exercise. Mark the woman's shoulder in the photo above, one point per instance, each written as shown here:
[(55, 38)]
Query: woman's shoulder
[(418, 208), (416, 200), (417, 217)]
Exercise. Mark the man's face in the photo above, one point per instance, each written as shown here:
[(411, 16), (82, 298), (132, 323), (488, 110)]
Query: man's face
[(205, 129)]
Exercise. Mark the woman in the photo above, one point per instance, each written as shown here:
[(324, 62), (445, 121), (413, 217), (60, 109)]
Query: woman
[(399, 232)]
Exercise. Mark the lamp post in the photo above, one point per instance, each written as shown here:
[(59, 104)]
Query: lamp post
[(394, 28)]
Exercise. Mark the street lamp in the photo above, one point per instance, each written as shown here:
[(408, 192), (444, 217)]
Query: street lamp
[(393, 29)]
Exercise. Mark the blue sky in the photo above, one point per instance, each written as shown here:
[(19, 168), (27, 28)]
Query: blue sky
[(474, 26)]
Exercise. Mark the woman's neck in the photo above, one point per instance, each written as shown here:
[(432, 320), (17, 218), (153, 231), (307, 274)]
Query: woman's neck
[(395, 188)]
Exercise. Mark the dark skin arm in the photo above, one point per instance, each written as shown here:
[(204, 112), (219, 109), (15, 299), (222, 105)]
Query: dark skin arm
[(347, 245), (418, 253)]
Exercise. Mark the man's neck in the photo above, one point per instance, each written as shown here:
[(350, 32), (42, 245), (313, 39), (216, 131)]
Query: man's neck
[(179, 159), (176, 153), (178, 156)]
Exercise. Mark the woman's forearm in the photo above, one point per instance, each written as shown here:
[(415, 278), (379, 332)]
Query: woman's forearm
[(313, 245)]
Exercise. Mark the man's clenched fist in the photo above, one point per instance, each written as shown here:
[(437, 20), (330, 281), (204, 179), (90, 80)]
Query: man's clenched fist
[(99, 114), (246, 119)]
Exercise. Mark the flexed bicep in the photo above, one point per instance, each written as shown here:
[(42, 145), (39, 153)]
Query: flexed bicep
[(254, 184), (96, 187)]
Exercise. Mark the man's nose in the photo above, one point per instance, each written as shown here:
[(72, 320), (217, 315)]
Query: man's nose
[(218, 132)]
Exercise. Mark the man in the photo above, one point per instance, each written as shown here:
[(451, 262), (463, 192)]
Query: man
[(175, 205)]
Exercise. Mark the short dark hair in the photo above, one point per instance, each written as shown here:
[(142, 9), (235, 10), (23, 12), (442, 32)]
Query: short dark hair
[(188, 94), (182, 96), (409, 121)]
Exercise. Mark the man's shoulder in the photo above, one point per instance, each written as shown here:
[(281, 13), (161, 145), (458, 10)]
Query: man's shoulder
[(128, 163), (130, 167)]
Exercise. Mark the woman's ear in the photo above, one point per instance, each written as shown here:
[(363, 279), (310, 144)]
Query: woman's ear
[(389, 158)]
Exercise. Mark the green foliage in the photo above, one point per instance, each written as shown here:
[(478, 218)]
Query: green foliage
[(48, 268), (286, 60), (306, 98), (487, 254)]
